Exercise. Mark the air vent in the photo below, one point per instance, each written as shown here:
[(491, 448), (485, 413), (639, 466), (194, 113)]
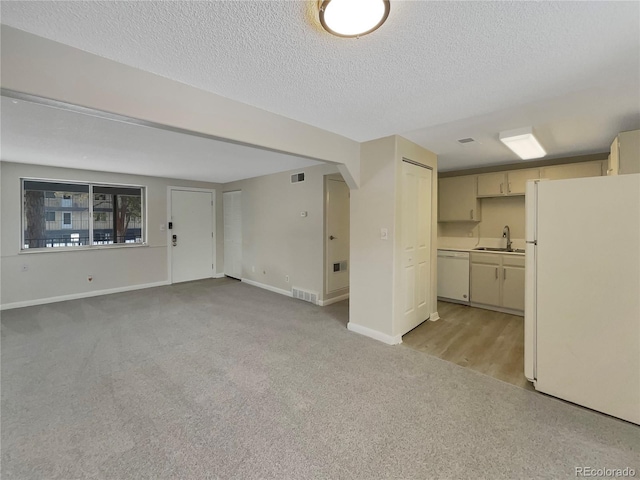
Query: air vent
[(297, 177), (466, 140), (304, 295)]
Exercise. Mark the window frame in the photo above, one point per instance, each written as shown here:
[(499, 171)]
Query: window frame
[(91, 245)]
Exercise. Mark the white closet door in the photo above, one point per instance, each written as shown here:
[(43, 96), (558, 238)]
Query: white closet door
[(232, 213), (416, 246)]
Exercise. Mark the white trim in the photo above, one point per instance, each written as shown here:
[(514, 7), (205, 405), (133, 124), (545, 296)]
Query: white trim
[(264, 286), (76, 296), (339, 298), (434, 317), (214, 238), (376, 335), (219, 275)]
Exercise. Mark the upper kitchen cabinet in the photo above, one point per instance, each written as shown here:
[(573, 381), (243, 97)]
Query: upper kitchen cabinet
[(505, 183), (625, 154), (457, 199), (572, 170)]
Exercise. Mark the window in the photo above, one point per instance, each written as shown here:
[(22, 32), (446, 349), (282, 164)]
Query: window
[(57, 214), (66, 220)]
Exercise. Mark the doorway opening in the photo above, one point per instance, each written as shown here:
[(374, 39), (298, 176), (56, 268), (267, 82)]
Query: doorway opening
[(336, 239)]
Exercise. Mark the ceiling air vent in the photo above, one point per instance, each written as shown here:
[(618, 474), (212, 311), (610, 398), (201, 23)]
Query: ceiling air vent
[(466, 140), (297, 177)]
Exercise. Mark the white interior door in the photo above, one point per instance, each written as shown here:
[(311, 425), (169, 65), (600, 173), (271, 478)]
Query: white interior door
[(192, 250), (337, 231), (416, 246), (232, 209)]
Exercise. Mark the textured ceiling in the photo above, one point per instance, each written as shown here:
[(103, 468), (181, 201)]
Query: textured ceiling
[(33, 133), (435, 72)]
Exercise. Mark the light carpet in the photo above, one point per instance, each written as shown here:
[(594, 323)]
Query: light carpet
[(217, 379)]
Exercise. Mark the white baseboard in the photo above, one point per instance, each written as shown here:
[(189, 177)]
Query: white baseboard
[(76, 296), (329, 301), (286, 293), (434, 317), (218, 275), (376, 335)]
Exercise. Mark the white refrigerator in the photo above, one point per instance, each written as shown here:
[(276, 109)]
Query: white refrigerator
[(582, 292)]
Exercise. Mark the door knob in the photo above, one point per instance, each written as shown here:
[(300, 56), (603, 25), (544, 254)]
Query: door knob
[(174, 240), (331, 237)]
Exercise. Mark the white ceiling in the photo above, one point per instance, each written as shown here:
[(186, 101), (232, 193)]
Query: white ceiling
[(434, 73), (38, 134)]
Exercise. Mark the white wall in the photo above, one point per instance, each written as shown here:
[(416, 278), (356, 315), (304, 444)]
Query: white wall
[(38, 66), (276, 240), (53, 274)]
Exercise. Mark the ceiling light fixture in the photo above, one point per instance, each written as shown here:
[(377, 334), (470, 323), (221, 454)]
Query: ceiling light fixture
[(353, 18), (523, 143)]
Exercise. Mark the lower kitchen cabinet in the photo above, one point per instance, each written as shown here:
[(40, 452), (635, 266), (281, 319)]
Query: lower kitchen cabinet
[(497, 280), (485, 283), (513, 287)]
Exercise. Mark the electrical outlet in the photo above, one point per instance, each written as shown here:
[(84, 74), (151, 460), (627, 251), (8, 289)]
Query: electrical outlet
[(286, 278), (90, 278)]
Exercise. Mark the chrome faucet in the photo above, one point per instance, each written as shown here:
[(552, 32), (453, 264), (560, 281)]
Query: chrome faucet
[(506, 233)]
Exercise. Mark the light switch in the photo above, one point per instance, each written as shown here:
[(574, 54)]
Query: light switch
[(303, 214), (384, 234)]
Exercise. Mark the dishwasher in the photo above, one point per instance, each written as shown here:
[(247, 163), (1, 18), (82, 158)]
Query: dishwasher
[(453, 276)]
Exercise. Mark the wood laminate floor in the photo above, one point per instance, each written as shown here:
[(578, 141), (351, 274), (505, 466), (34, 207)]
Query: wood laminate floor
[(482, 340)]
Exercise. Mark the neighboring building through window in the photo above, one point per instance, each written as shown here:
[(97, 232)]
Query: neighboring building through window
[(57, 214)]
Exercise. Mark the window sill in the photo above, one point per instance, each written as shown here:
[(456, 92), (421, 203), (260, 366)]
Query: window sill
[(83, 248)]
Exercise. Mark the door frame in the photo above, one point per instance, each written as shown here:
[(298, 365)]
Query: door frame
[(223, 273), (170, 190), (344, 292)]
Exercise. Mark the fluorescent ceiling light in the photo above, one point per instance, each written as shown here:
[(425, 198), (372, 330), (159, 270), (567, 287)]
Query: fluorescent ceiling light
[(523, 143), (353, 18)]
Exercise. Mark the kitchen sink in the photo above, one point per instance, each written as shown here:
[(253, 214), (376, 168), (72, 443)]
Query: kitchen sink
[(493, 249)]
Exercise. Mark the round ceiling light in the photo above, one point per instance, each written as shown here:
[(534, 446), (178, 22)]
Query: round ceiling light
[(353, 18)]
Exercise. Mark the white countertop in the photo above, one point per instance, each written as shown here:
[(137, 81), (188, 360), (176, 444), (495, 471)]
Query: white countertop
[(462, 244), (456, 249)]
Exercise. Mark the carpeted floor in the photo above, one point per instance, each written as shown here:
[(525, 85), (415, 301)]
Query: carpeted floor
[(217, 379)]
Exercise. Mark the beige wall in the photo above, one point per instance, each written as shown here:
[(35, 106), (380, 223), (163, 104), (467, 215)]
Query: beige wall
[(373, 208), (496, 213), (60, 273), (276, 240), (375, 262)]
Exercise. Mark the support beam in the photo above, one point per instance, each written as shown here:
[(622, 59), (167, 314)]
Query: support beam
[(37, 66)]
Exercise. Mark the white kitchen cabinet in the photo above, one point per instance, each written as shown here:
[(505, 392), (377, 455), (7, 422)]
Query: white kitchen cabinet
[(497, 281), (457, 199), (572, 170), (625, 154), (508, 183)]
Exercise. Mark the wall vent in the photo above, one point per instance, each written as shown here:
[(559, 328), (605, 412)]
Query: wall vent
[(297, 177), (304, 295), (466, 140)]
